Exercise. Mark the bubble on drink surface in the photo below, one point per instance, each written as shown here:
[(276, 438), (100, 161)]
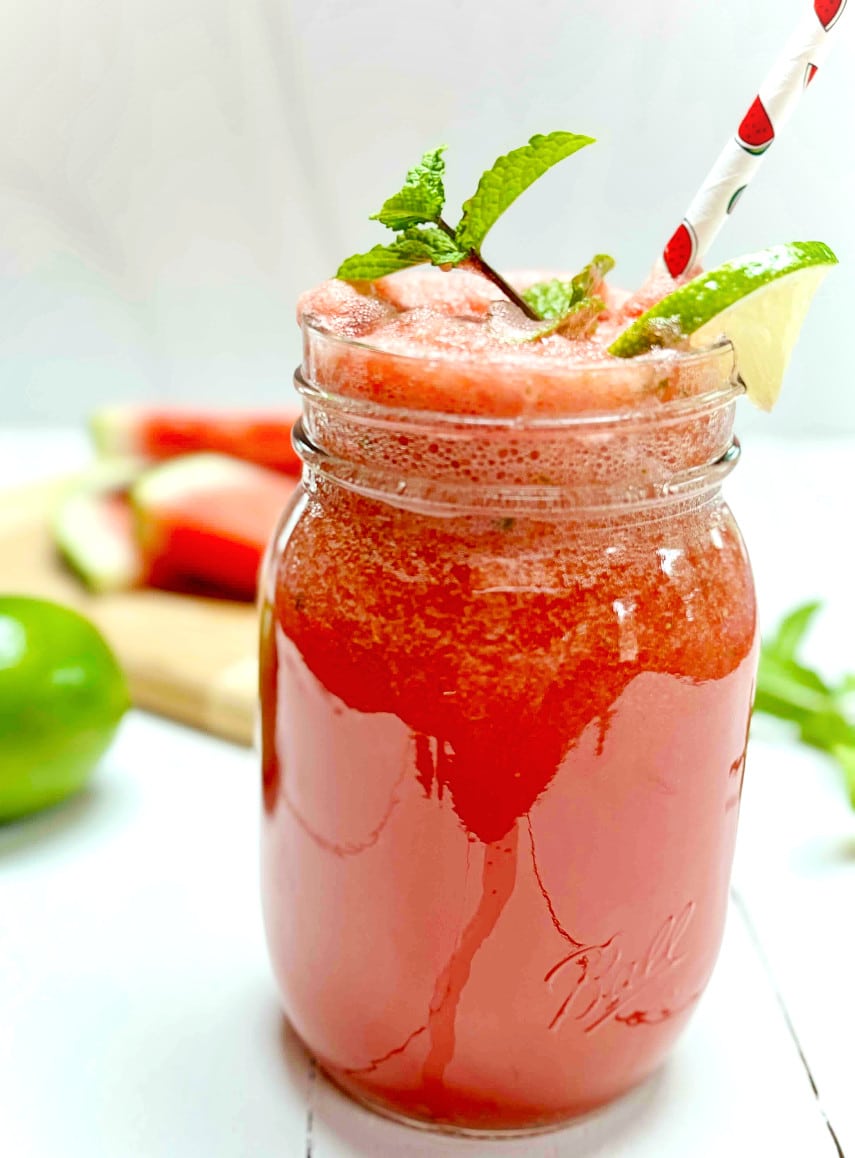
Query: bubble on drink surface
[(342, 309), (456, 292), (452, 353), (422, 328), (502, 337), (510, 325)]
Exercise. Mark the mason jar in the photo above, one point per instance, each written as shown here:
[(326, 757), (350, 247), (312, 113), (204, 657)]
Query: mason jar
[(507, 665)]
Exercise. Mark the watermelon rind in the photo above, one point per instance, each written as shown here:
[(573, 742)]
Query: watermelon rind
[(190, 474), (112, 431), (103, 558)]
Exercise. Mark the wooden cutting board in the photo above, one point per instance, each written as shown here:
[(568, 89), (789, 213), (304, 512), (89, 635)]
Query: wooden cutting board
[(188, 658)]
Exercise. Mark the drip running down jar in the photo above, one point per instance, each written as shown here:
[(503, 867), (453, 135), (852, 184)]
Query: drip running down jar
[(507, 670)]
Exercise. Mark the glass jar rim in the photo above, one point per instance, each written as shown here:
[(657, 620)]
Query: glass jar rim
[(675, 409)]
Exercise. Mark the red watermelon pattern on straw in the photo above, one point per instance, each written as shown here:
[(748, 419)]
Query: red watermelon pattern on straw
[(756, 131), (828, 11), (759, 128)]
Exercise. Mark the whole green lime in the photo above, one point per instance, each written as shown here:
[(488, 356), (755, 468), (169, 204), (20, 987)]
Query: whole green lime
[(62, 695)]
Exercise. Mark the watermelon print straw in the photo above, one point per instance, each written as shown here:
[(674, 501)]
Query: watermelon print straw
[(772, 108)]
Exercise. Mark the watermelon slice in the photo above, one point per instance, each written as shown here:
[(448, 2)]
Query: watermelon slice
[(828, 11), (203, 521), (262, 438), (93, 528), (756, 133)]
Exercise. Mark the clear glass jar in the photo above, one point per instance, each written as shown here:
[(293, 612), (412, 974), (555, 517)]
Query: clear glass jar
[(507, 671)]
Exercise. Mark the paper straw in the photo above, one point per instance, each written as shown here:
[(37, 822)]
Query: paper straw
[(762, 124)]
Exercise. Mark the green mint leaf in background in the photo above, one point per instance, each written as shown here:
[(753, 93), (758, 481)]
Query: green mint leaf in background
[(511, 175), (792, 630), (789, 690), (844, 754), (422, 197), (827, 730)]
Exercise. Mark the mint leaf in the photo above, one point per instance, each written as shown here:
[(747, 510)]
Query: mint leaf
[(590, 279), (551, 299), (422, 197), (413, 247), (435, 244), (828, 730), (789, 690), (378, 262), (511, 175), (792, 630), (844, 754), (556, 298), (580, 321)]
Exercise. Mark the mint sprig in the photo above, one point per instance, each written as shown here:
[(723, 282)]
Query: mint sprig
[(422, 197), (824, 714), (415, 214), (509, 176)]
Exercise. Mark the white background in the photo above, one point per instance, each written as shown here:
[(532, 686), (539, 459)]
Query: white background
[(173, 172)]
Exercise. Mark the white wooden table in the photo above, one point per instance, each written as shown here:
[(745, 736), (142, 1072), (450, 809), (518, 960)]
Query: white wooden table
[(137, 1013)]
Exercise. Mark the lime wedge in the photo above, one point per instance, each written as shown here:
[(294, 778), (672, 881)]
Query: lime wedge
[(758, 301)]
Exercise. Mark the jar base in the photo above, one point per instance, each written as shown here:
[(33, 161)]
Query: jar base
[(621, 1104)]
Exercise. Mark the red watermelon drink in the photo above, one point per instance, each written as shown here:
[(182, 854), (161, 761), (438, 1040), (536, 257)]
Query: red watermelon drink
[(508, 653), (508, 649)]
